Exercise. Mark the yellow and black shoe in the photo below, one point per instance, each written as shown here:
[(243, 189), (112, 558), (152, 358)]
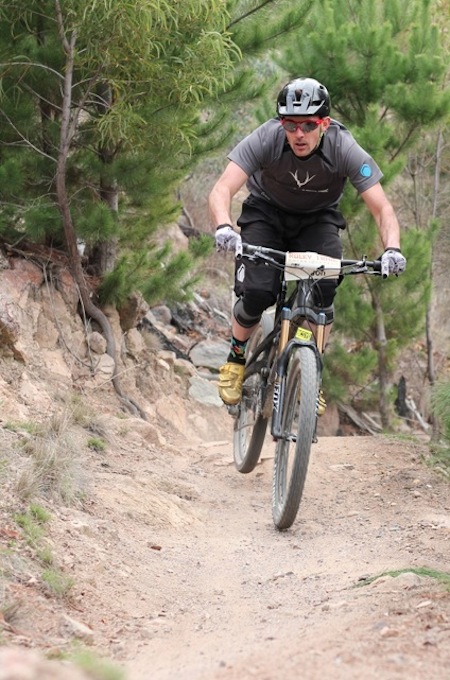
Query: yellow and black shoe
[(231, 377)]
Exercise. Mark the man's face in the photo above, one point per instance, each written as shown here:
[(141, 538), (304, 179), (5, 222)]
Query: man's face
[(303, 133)]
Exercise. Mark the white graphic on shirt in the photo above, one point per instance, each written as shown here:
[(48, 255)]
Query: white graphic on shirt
[(307, 180)]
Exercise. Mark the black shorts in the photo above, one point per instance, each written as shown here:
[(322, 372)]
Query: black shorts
[(263, 224)]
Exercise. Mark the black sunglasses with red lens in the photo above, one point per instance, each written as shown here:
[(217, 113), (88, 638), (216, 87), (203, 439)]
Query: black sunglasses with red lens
[(305, 125)]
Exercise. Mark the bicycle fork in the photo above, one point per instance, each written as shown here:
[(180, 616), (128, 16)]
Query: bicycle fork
[(285, 349)]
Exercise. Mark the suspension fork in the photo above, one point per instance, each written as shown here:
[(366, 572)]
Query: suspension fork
[(285, 350), (320, 339), (304, 309)]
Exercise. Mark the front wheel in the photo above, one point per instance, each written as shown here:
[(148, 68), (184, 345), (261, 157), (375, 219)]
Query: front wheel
[(250, 424), (298, 428)]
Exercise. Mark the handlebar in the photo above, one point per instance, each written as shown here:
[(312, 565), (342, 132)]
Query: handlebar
[(310, 262)]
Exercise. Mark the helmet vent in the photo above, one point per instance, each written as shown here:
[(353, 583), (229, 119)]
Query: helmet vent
[(303, 97)]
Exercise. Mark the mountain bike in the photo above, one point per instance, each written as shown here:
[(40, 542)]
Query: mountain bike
[(283, 373)]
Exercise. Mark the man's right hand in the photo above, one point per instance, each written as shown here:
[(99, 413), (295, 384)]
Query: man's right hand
[(227, 238)]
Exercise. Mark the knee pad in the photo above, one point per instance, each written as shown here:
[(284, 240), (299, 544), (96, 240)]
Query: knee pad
[(325, 291), (322, 299), (249, 308)]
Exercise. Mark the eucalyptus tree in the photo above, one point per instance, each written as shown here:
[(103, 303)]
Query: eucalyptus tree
[(385, 69)]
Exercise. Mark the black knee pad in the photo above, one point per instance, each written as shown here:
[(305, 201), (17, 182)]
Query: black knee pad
[(325, 291), (323, 299), (249, 308)]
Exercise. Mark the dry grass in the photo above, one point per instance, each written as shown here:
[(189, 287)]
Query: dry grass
[(54, 460), (10, 610), (152, 342), (54, 469), (55, 451)]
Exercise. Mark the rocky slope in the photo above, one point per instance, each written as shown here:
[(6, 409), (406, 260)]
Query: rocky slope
[(60, 415)]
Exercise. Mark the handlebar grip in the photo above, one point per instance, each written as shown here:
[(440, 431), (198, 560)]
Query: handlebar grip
[(375, 265), (249, 249)]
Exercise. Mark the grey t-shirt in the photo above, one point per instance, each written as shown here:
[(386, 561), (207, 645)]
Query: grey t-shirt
[(300, 185)]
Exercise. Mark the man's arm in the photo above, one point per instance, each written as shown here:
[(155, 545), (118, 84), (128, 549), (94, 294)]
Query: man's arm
[(384, 215), (228, 184)]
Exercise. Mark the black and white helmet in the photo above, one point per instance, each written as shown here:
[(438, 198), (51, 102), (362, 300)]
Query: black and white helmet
[(304, 97)]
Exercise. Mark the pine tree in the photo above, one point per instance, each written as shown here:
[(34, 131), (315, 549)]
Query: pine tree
[(80, 104), (149, 97), (384, 68), (134, 104), (102, 112)]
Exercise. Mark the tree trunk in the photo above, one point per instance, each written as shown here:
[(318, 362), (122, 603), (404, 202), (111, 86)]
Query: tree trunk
[(381, 344), (401, 406), (104, 254), (430, 359), (69, 119)]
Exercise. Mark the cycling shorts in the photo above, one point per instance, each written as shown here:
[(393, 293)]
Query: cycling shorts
[(263, 224)]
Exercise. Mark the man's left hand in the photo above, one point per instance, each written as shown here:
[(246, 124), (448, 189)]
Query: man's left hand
[(392, 262)]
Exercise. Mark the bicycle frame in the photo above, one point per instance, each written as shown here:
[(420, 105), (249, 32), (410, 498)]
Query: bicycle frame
[(275, 368), (289, 313), (283, 374)]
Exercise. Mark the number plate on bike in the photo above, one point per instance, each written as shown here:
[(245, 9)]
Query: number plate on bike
[(308, 264), (303, 334)]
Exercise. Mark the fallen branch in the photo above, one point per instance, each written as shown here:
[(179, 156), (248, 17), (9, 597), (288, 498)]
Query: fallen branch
[(361, 420), (410, 403)]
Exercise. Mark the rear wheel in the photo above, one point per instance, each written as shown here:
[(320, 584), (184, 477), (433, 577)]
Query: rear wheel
[(250, 425), (298, 427)]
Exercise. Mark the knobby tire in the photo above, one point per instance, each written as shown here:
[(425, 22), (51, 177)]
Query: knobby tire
[(250, 425), (299, 420)]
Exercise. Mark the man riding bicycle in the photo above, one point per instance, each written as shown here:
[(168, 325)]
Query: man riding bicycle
[(295, 167)]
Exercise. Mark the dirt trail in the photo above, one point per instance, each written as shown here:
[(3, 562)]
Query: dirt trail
[(180, 575), (225, 596)]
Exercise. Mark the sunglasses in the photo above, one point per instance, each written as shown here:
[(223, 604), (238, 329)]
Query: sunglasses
[(305, 126)]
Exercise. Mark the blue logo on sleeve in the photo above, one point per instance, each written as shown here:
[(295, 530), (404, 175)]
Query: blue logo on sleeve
[(365, 170)]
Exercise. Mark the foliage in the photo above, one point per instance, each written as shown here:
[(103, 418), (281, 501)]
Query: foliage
[(95, 667), (137, 96), (96, 444), (441, 576), (171, 279), (53, 468), (385, 69), (383, 54), (151, 91), (59, 583), (351, 359), (32, 527)]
